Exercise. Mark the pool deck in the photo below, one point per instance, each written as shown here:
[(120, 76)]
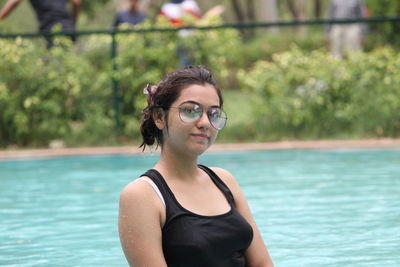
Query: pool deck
[(132, 150)]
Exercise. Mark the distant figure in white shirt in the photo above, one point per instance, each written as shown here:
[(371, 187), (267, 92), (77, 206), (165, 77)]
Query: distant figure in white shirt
[(176, 11), (344, 37)]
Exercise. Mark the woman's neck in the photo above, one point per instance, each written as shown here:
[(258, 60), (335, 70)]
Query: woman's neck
[(176, 165)]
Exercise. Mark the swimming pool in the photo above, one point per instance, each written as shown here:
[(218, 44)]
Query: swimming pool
[(313, 207)]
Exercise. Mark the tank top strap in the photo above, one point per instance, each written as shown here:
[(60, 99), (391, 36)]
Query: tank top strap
[(154, 176), (220, 184), (170, 206)]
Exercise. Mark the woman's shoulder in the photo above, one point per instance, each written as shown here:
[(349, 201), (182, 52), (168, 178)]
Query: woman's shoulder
[(226, 176), (231, 183), (138, 192), (221, 172), (135, 186)]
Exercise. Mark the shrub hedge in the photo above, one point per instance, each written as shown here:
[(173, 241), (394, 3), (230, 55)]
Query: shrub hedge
[(300, 92), (306, 95), (46, 95)]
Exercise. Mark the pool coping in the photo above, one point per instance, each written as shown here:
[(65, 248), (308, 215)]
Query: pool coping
[(386, 143)]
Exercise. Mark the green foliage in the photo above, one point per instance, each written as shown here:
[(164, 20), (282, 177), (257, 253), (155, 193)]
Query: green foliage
[(289, 92), (312, 95), (383, 7), (265, 44), (90, 7), (216, 49), (21, 20), (96, 15), (240, 125), (146, 57), (66, 92), (42, 93), (143, 59), (387, 32)]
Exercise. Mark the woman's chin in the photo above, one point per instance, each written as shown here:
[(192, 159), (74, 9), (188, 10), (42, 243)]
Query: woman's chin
[(199, 147)]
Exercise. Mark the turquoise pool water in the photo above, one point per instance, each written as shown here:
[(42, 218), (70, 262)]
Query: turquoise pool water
[(314, 208)]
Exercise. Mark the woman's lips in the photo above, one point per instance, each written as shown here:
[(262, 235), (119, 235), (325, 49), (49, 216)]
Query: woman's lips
[(200, 137)]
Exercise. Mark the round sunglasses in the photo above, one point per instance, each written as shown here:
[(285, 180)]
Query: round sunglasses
[(191, 112)]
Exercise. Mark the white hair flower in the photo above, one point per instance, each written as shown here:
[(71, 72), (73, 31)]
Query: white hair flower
[(149, 89)]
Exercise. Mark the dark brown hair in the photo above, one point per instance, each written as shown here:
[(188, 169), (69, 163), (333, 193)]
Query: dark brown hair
[(162, 95)]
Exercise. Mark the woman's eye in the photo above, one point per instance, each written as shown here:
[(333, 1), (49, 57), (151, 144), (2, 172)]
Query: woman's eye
[(188, 110), (215, 113)]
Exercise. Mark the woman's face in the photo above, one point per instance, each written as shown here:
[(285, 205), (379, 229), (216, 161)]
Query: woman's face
[(193, 137)]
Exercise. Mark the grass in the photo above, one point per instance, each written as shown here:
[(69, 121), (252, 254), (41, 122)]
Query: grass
[(237, 106), (240, 125)]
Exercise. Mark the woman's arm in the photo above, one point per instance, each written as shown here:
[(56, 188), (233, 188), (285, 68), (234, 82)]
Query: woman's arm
[(257, 254), (139, 225)]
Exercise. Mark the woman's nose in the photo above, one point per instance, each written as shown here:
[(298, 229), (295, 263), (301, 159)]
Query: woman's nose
[(203, 121)]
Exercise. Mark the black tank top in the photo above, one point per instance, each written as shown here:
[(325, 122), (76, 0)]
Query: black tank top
[(193, 240)]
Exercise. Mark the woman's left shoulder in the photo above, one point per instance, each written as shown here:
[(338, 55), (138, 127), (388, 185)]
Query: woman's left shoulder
[(226, 177)]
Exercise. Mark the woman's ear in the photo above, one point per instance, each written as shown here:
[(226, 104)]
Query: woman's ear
[(158, 117)]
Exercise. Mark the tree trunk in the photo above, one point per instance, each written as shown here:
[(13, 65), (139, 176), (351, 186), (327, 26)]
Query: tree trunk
[(317, 9), (298, 10), (251, 16), (268, 12), (301, 9), (292, 8), (237, 10)]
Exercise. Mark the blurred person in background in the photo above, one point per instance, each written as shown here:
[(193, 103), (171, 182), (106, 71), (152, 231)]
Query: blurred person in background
[(342, 37), (49, 13), (132, 15), (176, 12)]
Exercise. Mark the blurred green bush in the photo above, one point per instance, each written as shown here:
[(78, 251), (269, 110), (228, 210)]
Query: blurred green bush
[(66, 92), (304, 95), (46, 95), (287, 87)]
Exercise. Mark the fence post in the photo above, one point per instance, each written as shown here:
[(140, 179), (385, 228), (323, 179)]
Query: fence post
[(115, 83)]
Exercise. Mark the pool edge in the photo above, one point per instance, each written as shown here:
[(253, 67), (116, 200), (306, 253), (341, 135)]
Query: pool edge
[(131, 150)]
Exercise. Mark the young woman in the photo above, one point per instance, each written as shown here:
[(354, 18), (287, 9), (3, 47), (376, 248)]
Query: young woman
[(180, 213)]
